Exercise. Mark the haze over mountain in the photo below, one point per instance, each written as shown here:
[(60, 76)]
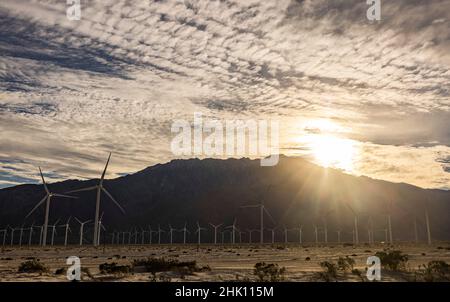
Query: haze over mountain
[(295, 192)]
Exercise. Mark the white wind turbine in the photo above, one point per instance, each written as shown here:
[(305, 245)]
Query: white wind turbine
[(150, 231), (338, 236), (233, 231), (272, 231), (198, 231), (99, 188), (66, 231), (143, 236), (123, 238), (300, 231), (355, 229), (135, 236), (53, 231), (47, 198), (171, 233), (82, 229), (250, 232), (215, 231), (427, 221), (184, 230), (4, 235), (30, 235), (12, 235), (262, 209), (316, 234), (159, 233), (20, 235), (286, 234), (100, 228)]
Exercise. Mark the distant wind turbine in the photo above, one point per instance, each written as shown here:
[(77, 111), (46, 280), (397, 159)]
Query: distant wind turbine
[(198, 231), (184, 230), (215, 227), (99, 188), (233, 231), (159, 234), (53, 231), (355, 229), (262, 210), (48, 196), (66, 231), (82, 229)]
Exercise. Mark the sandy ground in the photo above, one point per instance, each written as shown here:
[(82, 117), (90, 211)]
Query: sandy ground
[(227, 263)]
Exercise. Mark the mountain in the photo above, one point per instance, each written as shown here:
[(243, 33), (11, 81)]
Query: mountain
[(211, 190)]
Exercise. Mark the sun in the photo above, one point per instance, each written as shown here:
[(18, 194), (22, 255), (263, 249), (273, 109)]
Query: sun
[(332, 151)]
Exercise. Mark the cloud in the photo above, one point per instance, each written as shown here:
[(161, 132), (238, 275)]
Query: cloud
[(71, 91)]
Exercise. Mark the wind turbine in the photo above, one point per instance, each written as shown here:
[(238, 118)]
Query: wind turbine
[(184, 230), (338, 236), (300, 230), (82, 229), (286, 234), (150, 231), (30, 236), (20, 235), (4, 234), (99, 188), (215, 231), (67, 229), (12, 235), (159, 234), (233, 231), (47, 198), (272, 231), (427, 220), (250, 235), (53, 231), (355, 229), (171, 233), (199, 229), (135, 236), (262, 209), (316, 234)]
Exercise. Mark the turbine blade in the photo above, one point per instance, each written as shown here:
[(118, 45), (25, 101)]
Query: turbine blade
[(106, 167), (112, 198), (65, 196), (43, 181), (37, 205), (78, 220), (83, 189), (268, 214)]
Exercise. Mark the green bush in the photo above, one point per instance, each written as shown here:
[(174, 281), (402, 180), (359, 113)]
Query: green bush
[(32, 266), (394, 260), (269, 272)]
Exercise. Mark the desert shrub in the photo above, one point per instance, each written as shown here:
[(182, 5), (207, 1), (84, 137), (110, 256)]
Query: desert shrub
[(114, 268), (269, 272), (32, 266), (154, 265), (307, 258), (60, 271), (436, 270), (394, 260), (329, 268), (345, 264)]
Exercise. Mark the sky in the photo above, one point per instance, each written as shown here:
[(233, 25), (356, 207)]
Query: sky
[(368, 97)]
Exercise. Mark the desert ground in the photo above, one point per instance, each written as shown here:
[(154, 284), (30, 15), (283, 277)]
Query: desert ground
[(216, 263)]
